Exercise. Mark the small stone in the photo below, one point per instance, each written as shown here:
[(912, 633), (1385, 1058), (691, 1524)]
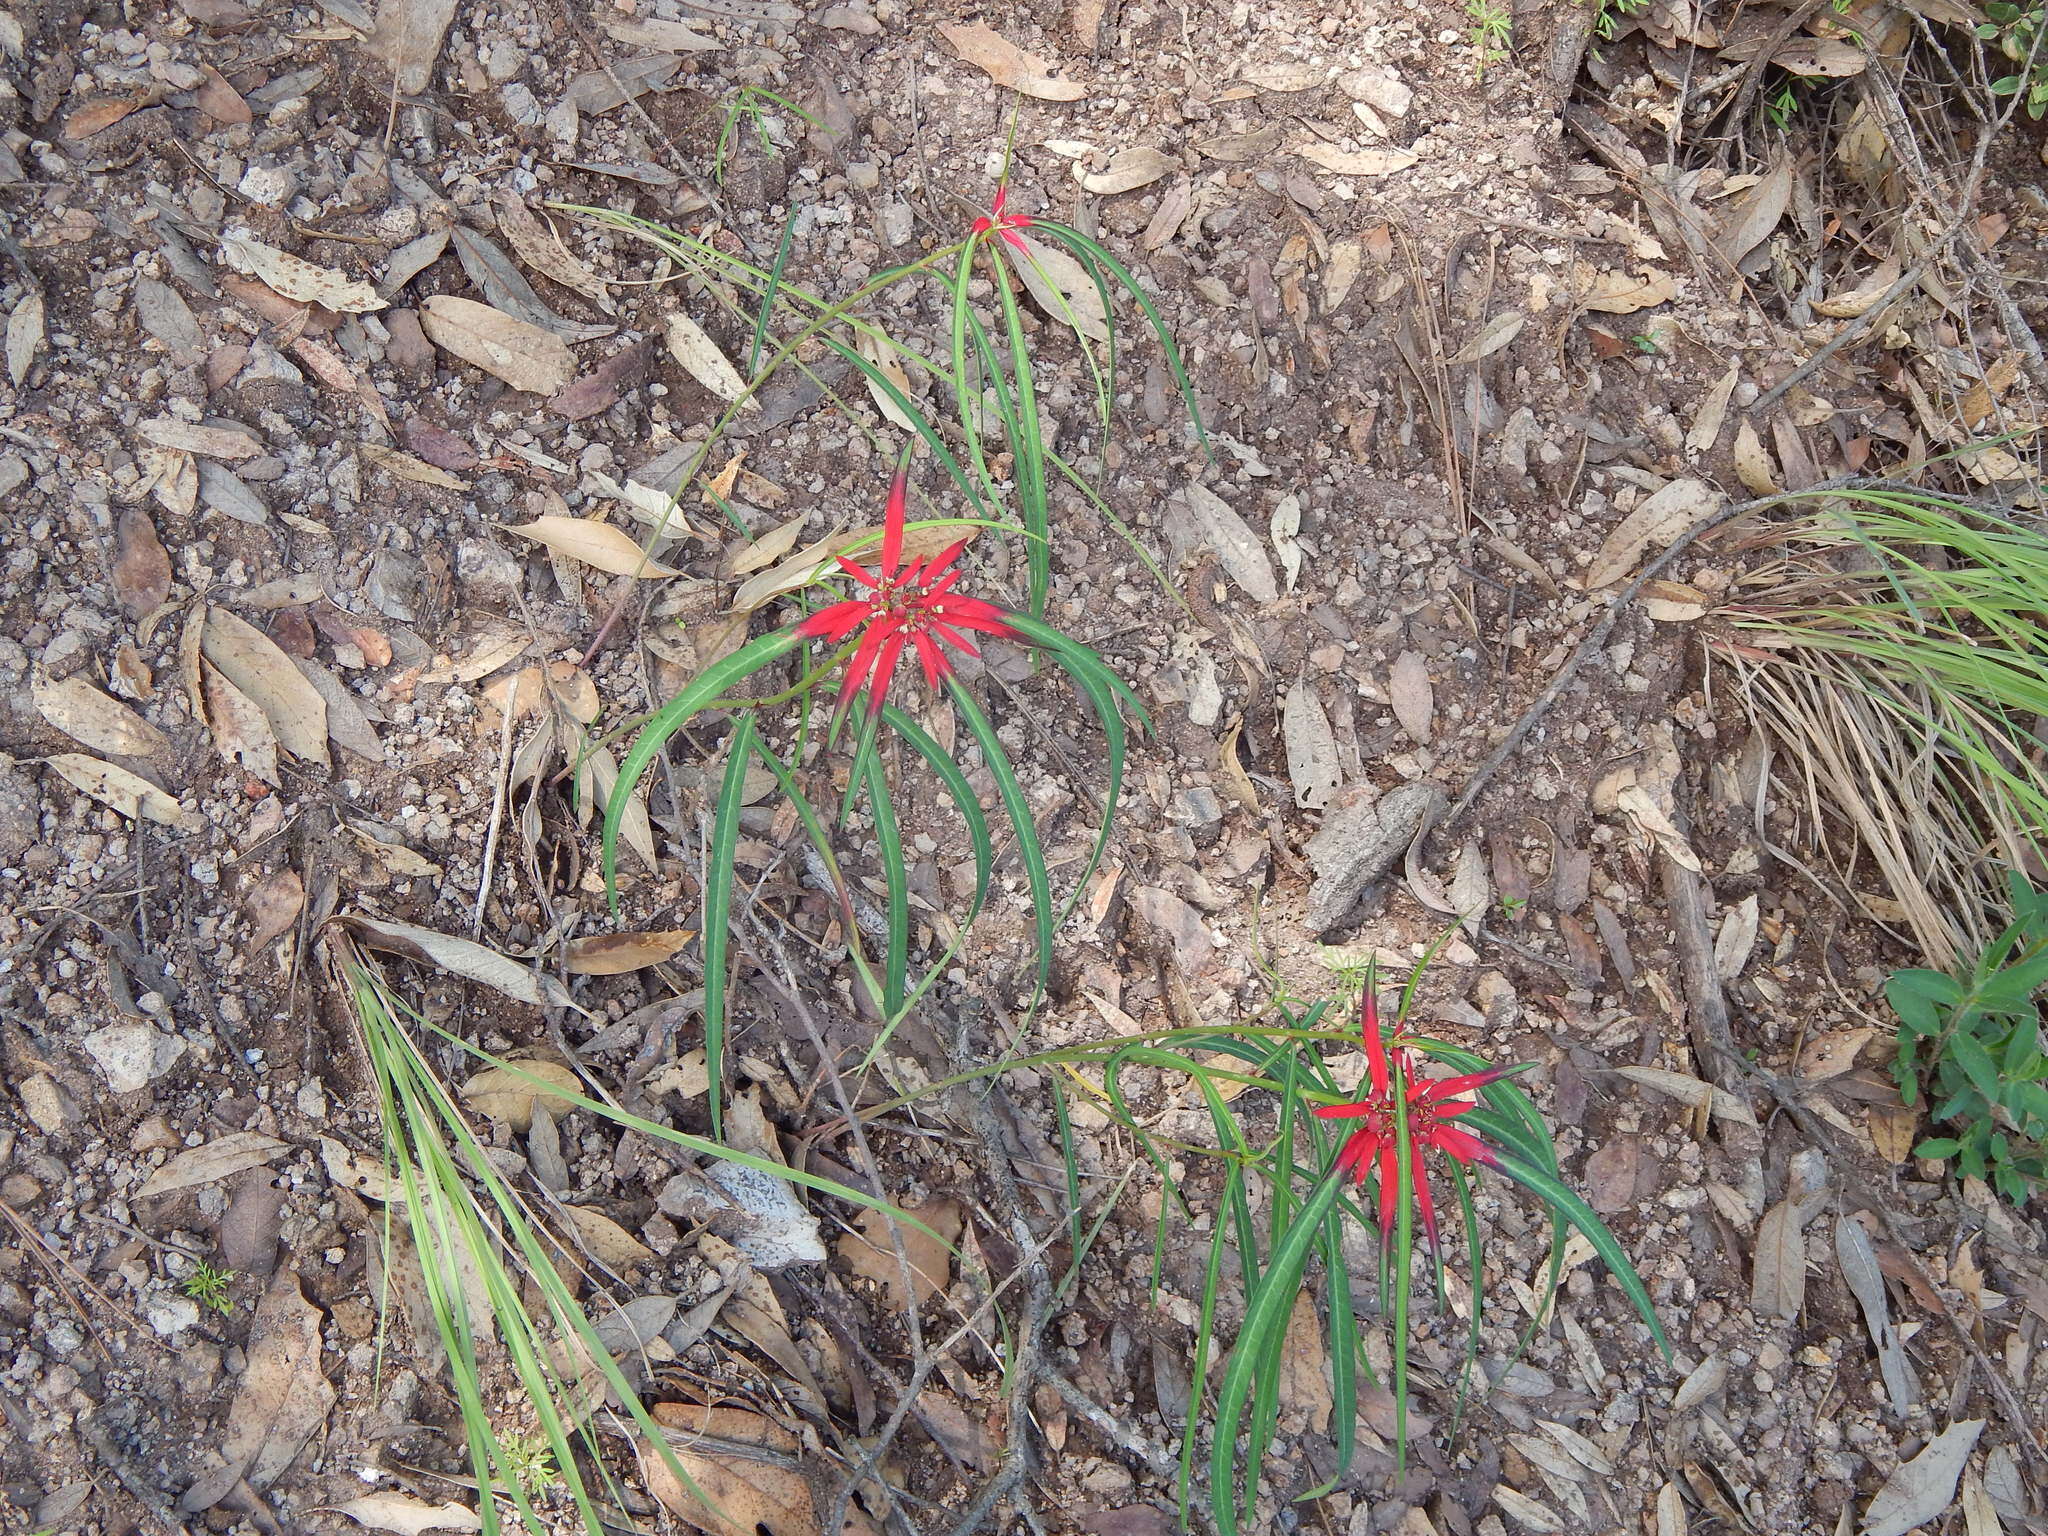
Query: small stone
[(48, 1104), (170, 1314), (1380, 88), (864, 175), (490, 576), (893, 222), (271, 185), (132, 1056), (20, 1191)]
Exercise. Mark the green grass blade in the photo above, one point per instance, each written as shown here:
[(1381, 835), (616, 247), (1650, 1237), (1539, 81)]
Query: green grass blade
[(920, 423), (768, 294), (718, 880), (889, 841), (1021, 821), (1028, 453), (702, 692)]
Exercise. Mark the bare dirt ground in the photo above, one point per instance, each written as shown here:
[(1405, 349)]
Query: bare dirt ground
[(1377, 259)]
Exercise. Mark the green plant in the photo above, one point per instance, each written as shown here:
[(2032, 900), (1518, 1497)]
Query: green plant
[(1898, 658), (1476, 1118), (1604, 12), (1985, 1072), (208, 1285), (1492, 32), (482, 1248), (2018, 31), (750, 103)]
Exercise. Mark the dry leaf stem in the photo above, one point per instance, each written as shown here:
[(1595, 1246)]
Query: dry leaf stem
[(483, 886)]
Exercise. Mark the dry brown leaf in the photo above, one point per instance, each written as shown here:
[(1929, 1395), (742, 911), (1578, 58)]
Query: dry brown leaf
[(1495, 334), (1240, 550), (1778, 1276), (882, 357), (221, 101), (25, 331), (142, 567), (534, 243), (869, 1252), (1753, 464), (743, 1472), (604, 545), (98, 116), (1894, 1131), (703, 361), (1007, 64), (1357, 162), (1237, 148), (1611, 1175), (1412, 697), (461, 957), (273, 905), (509, 1093), (1825, 1056), (770, 547), (1857, 301), (1750, 221), (601, 1237), (613, 954), (1060, 285), (1982, 397), (97, 719), (407, 1516), (1692, 1092), (130, 794), (1706, 426), (1128, 170), (1304, 1368), (394, 462), (283, 1397), (1921, 1489), (253, 662), (524, 356), (298, 279), (228, 442), (1311, 747), (221, 1158), (1618, 293), (1662, 517)]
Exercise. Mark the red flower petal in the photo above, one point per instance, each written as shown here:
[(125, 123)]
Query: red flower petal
[(864, 660), (935, 664), (1346, 1111), (885, 668), (1390, 1177), (1369, 1032), (1359, 1149), (836, 622), (859, 573), (1425, 1202), (892, 523), (959, 642), (1470, 1082), (1462, 1145)]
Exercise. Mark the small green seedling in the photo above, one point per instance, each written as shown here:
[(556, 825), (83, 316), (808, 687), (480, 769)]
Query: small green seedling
[(208, 1285), (1493, 30), (1985, 1075), (751, 103), (2016, 29)]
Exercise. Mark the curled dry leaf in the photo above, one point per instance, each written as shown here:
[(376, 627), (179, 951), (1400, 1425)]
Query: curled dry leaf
[(1858, 300), (1750, 221), (252, 661), (604, 545), (703, 361), (227, 442), (1618, 293), (98, 116), (129, 793), (541, 249), (613, 954), (24, 336), (1753, 464), (1285, 527), (1007, 64), (1830, 1055), (524, 356), (406, 467), (296, 278), (1128, 170), (1495, 334), (97, 719), (509, 1093), (461, 957), (1357, 162), (282, 1400)]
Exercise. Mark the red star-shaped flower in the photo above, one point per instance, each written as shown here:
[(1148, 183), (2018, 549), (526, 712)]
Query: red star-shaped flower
[(901, 606), (1432, 1105), (1005, 224)]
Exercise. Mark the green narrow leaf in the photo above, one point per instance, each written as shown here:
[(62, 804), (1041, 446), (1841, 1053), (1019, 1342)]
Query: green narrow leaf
[(889, 842), (1571, 1208), (959, 791), (718, 877), (1084, 248), (1028, 451), (1266, 1312), (1021, 821), (920, 423), (700, 693), (769, 293)]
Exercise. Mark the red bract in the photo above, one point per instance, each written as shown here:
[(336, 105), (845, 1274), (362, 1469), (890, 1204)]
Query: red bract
[(1004, 224), (1432, 1105), (913, 606)]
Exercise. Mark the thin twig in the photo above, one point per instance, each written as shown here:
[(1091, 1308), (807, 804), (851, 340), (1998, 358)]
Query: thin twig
[(498, 797)]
